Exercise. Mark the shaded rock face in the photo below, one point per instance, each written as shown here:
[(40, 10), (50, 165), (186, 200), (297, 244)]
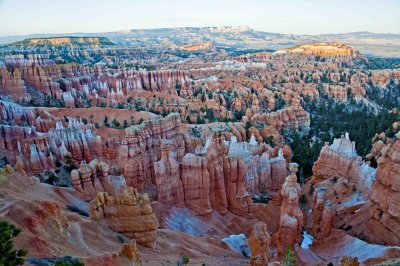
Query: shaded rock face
[(291, 220), (321, 215), (141, 148), (40, 142), (340, 160), (259, 243), (91, 178), (169, 185), (128, 213), (223, 175), (196, 182), (384, 222), (12, 84)]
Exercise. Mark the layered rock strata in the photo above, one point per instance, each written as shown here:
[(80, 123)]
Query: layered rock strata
[(384, 222), (340, 160), (128, 213), (89, 179)]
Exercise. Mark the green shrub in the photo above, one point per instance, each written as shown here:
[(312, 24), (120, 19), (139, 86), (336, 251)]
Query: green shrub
[(290, 258), (9, 255)]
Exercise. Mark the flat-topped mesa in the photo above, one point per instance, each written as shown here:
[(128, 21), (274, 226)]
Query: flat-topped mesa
[(291, 220), (384, 223), (128, 213), (340, 160), (89, 179), (332, 51), (57, 41), (141, 148), (322, 49)]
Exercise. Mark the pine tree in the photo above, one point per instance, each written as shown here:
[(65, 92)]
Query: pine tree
[(9, 255)]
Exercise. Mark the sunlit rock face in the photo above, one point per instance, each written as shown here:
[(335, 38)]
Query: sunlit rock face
[(128, 213), (291, 220), (333, 52), (384, 223), (340, 160)]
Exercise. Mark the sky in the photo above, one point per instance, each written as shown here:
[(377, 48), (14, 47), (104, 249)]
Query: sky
[(20, 17)]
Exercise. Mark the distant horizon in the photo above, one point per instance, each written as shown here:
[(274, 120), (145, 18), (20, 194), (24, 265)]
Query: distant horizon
[(306, 17), (71, 34)]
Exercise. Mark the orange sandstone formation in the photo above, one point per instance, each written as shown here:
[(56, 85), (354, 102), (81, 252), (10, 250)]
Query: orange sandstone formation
[(384, 222), (259, 243), (128, 213), (291, 220)]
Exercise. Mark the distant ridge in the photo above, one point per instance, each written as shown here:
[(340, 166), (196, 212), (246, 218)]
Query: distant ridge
[(64, 40), (233, 37)]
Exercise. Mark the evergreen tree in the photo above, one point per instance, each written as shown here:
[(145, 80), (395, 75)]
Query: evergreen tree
[(8, 254)]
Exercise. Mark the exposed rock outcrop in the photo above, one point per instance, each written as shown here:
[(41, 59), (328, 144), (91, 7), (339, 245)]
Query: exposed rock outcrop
[(384, 222), (141, 148), (167, 178), (259, 243), (335, 52), (128, 213), (321, 215), (340, 160), (128, 256), (196, 183), (291, 220), (89, 179)]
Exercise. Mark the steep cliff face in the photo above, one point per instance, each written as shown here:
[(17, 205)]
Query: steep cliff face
[(41, 142), (89, 179), (128, 213), (12, 84), (340, 160), (291, 220), (71, 84), (141, 148), (167, 176), (322, 212), (384, 222), (221, 175), (196, 183)]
